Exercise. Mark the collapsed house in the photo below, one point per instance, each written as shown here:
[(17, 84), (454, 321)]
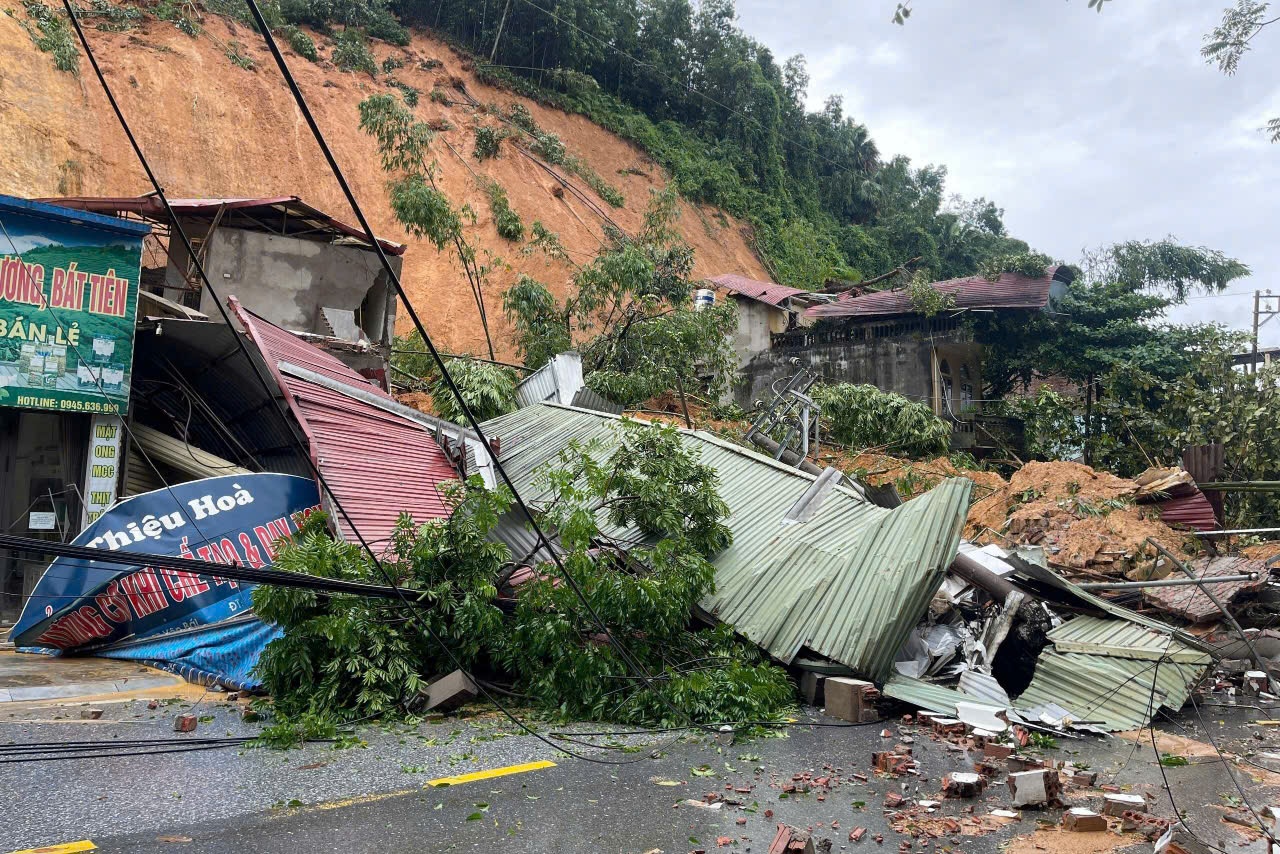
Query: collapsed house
[(826, 581)]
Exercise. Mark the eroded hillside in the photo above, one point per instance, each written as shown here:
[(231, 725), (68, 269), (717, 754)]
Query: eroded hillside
[(213, 128)]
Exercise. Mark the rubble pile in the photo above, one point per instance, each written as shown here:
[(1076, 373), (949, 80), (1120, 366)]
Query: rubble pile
[(1089, 523)]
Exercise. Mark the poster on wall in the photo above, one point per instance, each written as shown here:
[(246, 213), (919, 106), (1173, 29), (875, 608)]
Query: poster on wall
[(103, 470), (68, 298)]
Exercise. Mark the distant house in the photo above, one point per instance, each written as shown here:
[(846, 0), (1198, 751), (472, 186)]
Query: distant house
[(765, 309), (881, 339)]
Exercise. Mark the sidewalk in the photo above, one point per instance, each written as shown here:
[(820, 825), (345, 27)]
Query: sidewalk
[(25, 677)]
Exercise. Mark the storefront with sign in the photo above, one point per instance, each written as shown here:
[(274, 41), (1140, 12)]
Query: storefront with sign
[(68, 300)]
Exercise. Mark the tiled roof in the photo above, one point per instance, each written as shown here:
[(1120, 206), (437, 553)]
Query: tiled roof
[(769, 293), (1010, 291)]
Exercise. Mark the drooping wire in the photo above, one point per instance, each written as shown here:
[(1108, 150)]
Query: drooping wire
[(470, 417), (418, 323)]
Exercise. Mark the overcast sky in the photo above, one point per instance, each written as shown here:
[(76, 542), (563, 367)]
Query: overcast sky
[(1086, 128)]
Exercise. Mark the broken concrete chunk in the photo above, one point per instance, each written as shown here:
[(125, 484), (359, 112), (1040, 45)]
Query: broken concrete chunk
[(961, 784), (1006, 814), (449, 692), (1035, 788), (1118, 804), (850, 699), (90, 714), (812, 689), (1083, 820)]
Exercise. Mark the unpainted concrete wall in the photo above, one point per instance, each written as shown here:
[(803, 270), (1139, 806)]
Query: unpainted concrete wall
[(756, 322), (287, 280)]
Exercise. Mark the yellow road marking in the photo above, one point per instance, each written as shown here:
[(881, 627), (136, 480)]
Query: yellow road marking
[(491, 773), (64, 848)]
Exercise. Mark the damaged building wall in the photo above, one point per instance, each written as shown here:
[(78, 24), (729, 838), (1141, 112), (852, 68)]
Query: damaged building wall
[(894, 356), (289, 280)]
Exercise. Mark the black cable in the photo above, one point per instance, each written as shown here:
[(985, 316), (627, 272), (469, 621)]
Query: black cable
[(471, 419)]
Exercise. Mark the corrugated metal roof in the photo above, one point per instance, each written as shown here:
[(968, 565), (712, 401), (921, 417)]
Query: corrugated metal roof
[(1116, 693), (1010, 290), (163, 448), (849, 584), (770, 293), (377, 463), (925, 695), (1192, 510), (244, 213), (1122, 639)]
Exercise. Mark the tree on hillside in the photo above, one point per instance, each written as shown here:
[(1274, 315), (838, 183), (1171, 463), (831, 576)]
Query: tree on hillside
[(631, 316)]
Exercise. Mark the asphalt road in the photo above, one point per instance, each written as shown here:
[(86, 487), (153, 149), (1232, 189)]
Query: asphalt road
[(373, 799)]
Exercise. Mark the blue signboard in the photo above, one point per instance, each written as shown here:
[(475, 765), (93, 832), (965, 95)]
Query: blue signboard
[(106, 608)]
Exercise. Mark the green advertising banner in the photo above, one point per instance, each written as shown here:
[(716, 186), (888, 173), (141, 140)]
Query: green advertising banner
[(68, 298)]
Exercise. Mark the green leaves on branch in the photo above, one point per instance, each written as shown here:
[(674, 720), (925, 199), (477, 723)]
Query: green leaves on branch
[(864, 417), (489, 390), (632, 316)]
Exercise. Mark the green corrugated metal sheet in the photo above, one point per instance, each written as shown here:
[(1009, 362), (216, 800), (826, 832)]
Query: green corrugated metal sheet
[(1122, 639), (1115, 692), (850, 583), (926, 695)]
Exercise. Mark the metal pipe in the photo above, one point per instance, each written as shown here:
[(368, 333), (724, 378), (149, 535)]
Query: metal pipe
[(1234, 531), (1163, 582)]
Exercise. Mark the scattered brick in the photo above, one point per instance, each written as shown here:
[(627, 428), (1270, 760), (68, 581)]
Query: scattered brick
[(1037, 788), (184, 723), (857, 833), (996, 751), (1083, 820), (962, 784), (1118, 804)]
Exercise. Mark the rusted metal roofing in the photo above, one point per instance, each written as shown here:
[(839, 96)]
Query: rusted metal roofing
[(1191, 603), (1010, 291), (849, 583), (769, 293), (287, 215), (378, 464), (1191, 510)]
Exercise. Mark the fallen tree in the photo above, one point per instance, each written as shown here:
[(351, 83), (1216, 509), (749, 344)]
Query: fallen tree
[(608, 639)]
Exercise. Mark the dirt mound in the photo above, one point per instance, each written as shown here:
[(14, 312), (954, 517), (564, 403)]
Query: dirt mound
[(1086, 520), (213, 129), (911, 477)]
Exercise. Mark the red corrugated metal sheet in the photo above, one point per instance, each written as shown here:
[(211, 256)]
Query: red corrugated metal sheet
[(1192, 603), (150, 207), (378, 464), (1192, 510), (1011, 290), (766, 292)]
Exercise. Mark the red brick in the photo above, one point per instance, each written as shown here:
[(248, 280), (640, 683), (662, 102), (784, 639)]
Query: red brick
[(184, 723), (1082, 820)]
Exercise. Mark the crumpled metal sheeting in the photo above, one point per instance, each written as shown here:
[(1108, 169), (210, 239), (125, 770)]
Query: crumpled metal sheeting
[(849, 583), (1116, 693), (925, 695), (1122, 639)]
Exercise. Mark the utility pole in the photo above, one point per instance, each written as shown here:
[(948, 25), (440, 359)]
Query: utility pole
[(1263, 310)]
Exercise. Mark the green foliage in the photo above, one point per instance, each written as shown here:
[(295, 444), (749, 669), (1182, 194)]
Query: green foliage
[(644, 595), (632, 313), (520, 116), (488, 143), (234, 52), (344, 657), (489, 390), (925, 298), (408, 93), (505, 220), (52, 34), (863, 416), (549, 147), (1030, 264), (301, 43), (439, 96), (391, 63), (110, 17), (351, 52)]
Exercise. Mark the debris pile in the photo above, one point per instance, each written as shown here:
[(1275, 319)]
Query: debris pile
[(1089, 523)]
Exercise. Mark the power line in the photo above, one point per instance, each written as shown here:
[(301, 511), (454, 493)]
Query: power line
[(471, 419)]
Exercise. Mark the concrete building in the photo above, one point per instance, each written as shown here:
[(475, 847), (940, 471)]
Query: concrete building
[(297, 266), (880, 339)]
